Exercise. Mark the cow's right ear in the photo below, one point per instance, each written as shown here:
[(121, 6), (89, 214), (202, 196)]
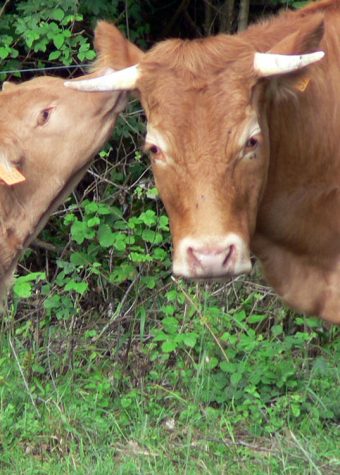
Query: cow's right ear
[(7, 85), (114, 50)]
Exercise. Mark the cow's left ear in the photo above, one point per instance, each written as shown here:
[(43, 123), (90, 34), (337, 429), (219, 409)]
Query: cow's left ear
[(9, 174), (287, 60), (303, 41), (10, 160), (118, 57), (114, 50)]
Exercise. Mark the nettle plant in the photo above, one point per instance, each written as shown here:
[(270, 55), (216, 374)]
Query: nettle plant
[(44, 33), (40, 33)]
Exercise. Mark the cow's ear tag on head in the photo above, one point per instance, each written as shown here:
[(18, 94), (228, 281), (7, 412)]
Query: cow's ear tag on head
[(10, 175), (302, 84)]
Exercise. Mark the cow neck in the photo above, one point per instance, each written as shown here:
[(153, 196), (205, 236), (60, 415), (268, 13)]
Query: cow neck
[(13, 230)]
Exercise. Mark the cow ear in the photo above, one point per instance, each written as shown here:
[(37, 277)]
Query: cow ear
[(298, 50), (114, 50), (303, 41), (7, 85), (9, 174)]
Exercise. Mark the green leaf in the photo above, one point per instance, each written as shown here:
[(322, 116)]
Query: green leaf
[(105, 236), (58, 41), (54, 55), (90, 55), (4, 52), (22, 289), (79, 259), (236, 378), (80, 232), (148, 217), (92, 222), (212, 362), (150, 281), (170, 324), (169, 346), (257, 318), (23, 285), (151, 236), (57, 14), (32, 277), (228, 367), (79, 287), (139, 258), (53, 301), (190, 339), (277, 330)]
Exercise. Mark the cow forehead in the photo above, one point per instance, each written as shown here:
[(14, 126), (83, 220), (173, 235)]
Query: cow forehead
[(185, 123), (194, 109)]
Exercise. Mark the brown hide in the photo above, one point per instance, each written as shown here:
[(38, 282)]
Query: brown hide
[(245, 162), (49, 134)]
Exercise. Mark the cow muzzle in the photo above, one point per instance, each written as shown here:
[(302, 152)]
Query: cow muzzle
[(209, 258)]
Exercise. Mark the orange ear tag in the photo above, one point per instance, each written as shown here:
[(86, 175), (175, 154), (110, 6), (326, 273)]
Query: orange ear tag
[(302, 84), (10, 175)]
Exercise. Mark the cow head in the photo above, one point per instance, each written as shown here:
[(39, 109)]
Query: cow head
[(207, 132), (48, 135)]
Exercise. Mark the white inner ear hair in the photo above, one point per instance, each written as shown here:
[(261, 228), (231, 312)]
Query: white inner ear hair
[(4, 160)]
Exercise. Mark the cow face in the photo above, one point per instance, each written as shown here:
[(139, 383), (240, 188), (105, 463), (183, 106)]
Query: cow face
[(209, 158), (207, 135), (48, 135)]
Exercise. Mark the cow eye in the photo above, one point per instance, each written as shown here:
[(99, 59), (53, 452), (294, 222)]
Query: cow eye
[(252, 143), (44, 116), (154, 149), (251, 146), (155, 152)]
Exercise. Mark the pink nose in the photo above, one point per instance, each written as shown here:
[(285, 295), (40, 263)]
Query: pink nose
[(211, 261)]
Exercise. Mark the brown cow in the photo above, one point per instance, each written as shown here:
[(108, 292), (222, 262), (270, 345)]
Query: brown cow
[(242, 134), (48, 135)]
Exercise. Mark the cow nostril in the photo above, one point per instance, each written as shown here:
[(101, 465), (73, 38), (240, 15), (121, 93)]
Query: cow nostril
[(230, 252), (192, 256)]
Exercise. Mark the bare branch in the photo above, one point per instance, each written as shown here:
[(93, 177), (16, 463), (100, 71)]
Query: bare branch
[(226, 16), (2, 11), (243, 15), (180, 10)]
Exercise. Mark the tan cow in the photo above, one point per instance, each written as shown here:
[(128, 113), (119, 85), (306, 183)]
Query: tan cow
[(48, 135), (242, 134)]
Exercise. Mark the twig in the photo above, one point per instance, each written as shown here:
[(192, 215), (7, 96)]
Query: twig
[(43, 245), (243, 15), (241, 443), (182, 8), (23, 376), (305, 453), (118, 310), (2, 11)]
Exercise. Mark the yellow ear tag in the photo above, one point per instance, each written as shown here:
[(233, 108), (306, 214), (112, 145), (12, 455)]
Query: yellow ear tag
[(302, 84), (10, 176)]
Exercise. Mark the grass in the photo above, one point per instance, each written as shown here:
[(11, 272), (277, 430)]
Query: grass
[(196, 388)]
